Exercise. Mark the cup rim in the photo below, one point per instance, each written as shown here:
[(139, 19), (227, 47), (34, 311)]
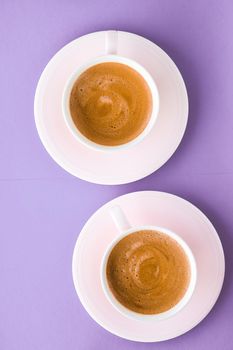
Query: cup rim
[(101, 59), (151, 317)]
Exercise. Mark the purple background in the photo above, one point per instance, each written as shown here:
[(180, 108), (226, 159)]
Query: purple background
[(43, 208)]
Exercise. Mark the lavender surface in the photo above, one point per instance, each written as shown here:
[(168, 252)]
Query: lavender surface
[(43, 208)]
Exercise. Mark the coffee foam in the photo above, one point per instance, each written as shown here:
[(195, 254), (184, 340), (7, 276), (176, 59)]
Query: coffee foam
[(148, 272), (110, 103)]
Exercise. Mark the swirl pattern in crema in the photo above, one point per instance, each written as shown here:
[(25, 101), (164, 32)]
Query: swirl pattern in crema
[(110, 103), (148, 272)]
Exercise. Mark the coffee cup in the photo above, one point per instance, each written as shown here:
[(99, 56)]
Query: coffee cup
[(125, 230), (110, 56)]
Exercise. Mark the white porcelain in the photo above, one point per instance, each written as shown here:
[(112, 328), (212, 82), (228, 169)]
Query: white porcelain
[(155, 209), (122, 166), (124, 230), (118, 59)]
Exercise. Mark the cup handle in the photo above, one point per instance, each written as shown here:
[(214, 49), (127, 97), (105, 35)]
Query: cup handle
[(111, 37), (119, 219)]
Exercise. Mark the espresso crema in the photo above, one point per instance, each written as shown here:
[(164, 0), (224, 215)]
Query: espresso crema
[(110, 103), (148, 272)]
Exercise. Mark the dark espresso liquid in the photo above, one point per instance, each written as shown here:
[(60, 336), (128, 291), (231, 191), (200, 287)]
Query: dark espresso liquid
[(148, 272), (110, 103)]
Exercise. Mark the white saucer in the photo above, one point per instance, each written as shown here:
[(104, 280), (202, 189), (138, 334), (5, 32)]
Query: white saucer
[(122, 166), (149, 208)]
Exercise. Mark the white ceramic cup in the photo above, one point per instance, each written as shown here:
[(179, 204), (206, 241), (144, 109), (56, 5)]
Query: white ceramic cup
[(110, 56), (125, 229)]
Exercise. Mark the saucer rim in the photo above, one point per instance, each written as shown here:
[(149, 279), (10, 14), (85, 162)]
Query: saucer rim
[(221, 271), (89, 175)]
